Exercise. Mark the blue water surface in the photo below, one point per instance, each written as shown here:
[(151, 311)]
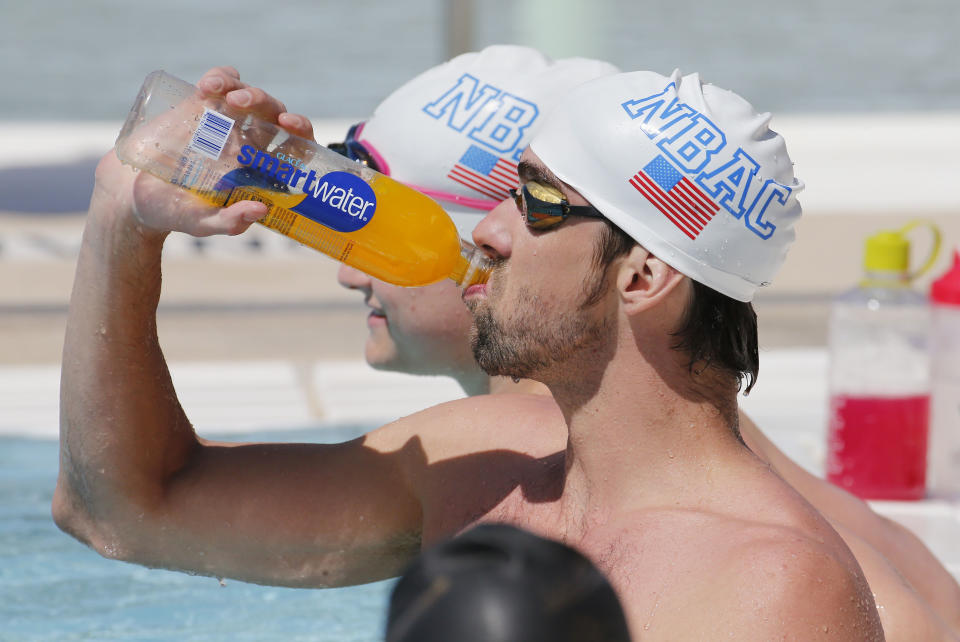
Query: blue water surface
[(52, 588)]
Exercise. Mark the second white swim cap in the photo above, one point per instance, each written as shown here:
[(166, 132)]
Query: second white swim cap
[(456, 131), (689, 170)]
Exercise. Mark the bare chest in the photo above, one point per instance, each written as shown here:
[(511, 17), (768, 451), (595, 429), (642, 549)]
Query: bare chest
[(664, 563), (663, 567), (673, 569)]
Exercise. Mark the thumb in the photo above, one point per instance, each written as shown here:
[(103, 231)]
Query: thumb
[(232, 220)]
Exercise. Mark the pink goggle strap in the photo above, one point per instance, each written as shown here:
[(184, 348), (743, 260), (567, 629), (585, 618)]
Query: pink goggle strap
[(381, 161), (464, 201)]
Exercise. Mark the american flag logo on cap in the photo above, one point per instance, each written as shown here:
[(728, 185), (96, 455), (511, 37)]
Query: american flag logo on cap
[(677, 198), (485, 173)]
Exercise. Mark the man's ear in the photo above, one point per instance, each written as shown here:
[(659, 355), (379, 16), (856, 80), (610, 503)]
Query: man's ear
[(643, 280)]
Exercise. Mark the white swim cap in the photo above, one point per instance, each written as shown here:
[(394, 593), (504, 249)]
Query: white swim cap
[(687, 169), (456, 131)]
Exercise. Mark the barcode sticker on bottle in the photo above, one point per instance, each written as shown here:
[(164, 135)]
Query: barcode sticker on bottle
[(212, 134)]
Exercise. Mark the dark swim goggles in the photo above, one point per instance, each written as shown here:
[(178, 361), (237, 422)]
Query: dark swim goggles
[(544, 215), (355, 150)]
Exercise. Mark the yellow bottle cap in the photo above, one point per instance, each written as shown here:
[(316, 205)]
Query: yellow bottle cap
[(889, 251)]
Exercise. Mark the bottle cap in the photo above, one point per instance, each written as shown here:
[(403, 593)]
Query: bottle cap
[(888, 251), (946, 289)]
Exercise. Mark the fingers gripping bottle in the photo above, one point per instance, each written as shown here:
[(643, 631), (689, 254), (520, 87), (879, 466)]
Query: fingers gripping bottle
[(943, 468), (316, 196), (879, 377)]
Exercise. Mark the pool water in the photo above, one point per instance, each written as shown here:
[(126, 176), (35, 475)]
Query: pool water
[(54, 588)]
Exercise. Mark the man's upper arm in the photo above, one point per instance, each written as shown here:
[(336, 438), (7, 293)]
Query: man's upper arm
[(310, 514), (295, 514), (287, 514)]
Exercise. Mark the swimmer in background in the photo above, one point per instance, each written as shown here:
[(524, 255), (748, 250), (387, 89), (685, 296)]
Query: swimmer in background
[(169, 477)]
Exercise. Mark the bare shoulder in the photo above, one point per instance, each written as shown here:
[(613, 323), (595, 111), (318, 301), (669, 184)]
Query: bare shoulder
[(787, 585), (695, 574), (529, 424), (904, 613), (471, 458)]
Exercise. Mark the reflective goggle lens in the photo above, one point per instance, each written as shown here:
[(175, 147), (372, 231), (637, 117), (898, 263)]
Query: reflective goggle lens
[(543, 207)]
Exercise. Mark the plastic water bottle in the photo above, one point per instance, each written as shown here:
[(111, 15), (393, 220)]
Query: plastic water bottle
[(944, 455), (880, 375), (316, 196)]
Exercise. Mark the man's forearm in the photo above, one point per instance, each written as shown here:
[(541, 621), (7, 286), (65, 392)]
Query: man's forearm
[(122, 429)]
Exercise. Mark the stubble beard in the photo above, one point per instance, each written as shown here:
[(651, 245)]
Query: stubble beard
[(532, 338)]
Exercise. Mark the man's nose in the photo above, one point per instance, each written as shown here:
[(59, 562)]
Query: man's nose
[(352, 278), (493, 232)]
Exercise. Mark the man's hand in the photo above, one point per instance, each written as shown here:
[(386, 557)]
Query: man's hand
[(158, 207)]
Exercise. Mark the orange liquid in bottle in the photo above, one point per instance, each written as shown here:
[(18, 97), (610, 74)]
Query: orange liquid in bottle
[(410, 241)]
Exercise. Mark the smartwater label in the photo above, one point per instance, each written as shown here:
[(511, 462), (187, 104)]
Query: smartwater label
[(211, 134), (340, 200)]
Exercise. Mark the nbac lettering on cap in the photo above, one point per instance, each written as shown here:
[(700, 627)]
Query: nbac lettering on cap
[(456, 131), (689, 170)]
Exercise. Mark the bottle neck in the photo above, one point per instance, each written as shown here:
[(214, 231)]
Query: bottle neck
[(885, 279), (473, 266)]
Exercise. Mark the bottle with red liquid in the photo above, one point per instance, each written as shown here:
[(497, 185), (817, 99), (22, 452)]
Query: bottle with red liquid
[(943, 466), (880, 375)]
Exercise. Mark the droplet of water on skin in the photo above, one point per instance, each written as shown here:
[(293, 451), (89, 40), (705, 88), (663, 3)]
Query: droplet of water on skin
[(515, 379), (646, 626)]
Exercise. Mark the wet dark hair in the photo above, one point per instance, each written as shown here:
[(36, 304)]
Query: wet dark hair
[(499, 582), (721, 332), (716, 331)]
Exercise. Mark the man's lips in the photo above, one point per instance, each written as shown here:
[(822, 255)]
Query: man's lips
[(376, 317), (479, 289)]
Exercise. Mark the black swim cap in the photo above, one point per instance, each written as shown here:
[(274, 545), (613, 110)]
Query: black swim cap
[(497, 583)]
